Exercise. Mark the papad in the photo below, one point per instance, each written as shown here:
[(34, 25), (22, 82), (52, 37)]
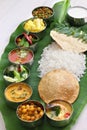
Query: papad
[(68, 43)]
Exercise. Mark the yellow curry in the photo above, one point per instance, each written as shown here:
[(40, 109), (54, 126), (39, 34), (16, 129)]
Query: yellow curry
[(18, 92), (35, 25)]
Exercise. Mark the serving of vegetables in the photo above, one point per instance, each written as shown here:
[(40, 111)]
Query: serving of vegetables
[(16, 73), (26, 40), (30, 111), (42, 12), (34, 25)]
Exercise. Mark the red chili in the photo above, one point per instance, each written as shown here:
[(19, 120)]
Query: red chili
[(19, 68), (27, 38), (67, 115)]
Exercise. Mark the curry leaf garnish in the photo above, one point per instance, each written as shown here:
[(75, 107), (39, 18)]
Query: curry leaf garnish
[(56, 109)]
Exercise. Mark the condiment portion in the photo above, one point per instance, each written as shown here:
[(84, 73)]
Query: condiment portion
[(30, 113), (59, 84), (78, 12), (18, 92), (34, 25), (27, 40), (59, 110), (59, 113), (43, 12), (77, 15), (16, 73), (21, 56)]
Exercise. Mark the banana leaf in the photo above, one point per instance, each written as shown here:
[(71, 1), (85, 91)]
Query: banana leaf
[(9, 114), (60, 9)]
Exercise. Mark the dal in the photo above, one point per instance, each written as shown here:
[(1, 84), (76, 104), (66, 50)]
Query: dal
[(18, 92)]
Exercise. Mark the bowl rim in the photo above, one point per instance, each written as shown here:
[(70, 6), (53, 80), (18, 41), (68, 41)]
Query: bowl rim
[(72, 110), (36, 101), (32, 19), (44, 7), (26, 49), (14, 65), (20, 35), (76, 7), (12, 84)]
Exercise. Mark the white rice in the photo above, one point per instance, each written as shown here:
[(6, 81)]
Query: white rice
[(54, 58)]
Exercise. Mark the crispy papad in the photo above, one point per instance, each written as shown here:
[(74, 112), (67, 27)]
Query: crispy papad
[(68, 43), (58, 84)]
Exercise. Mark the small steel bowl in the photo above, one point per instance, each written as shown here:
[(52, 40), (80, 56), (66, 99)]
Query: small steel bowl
[(30, 113), (44, 12), (21, 41), (17, 93), (16, 73), (36, 26), (21, 56), (76, 18), (56, 115)]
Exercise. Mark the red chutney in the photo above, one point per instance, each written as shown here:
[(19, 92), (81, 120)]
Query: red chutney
[(20, 56)]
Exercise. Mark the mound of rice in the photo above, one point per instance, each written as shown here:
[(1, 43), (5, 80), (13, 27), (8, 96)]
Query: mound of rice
[(55, 58)]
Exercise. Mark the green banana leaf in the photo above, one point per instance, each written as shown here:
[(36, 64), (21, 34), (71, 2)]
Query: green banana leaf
[(9, 114), (60, 9)]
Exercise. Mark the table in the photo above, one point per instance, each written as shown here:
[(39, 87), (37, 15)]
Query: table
[(12, 13)]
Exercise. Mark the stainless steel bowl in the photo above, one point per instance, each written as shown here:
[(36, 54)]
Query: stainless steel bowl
[(17, 93), (59, 113), (21, 56), (36, 26), (22, 41), (28, 113), (16, 73), (77, 15), (44, 12)]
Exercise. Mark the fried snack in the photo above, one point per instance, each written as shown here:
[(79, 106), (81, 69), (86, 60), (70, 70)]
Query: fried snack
[(58, 84), (68, 43)]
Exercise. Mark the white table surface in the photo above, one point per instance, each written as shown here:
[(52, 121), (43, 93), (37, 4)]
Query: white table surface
[(12, 13)]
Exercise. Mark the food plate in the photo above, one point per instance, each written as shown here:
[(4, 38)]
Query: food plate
[(11, 121)]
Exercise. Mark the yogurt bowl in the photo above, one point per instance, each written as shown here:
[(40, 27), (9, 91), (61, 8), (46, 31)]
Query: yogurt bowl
[(77, 15)]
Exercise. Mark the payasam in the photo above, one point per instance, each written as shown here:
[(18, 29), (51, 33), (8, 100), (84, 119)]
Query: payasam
[(59, 84)]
